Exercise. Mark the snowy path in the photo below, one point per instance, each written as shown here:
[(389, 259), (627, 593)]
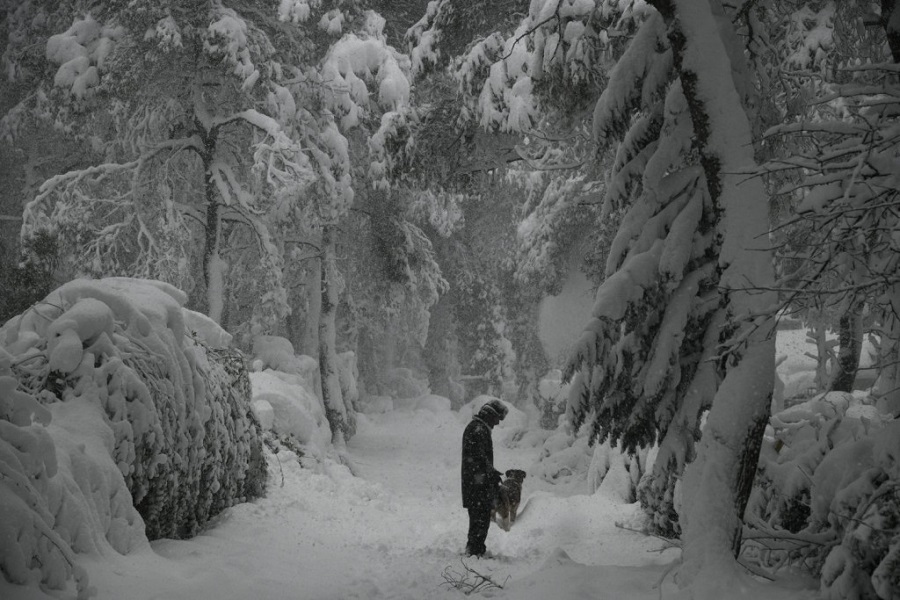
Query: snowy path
[(389, 533)]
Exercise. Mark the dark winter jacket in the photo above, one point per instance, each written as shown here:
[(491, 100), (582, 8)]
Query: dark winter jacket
[(479, 477)]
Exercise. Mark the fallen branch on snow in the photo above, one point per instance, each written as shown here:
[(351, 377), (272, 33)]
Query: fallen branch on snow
[(469, 581)]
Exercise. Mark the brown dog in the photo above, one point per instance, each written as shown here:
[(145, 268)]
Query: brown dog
[(509, 496)]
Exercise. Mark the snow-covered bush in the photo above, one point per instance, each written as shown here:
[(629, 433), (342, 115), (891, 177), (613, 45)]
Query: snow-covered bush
[(277, 353), (28, 479), (297, 410), (181, 432), (828, 494)]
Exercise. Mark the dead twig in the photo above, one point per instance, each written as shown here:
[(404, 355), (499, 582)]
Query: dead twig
[(468, 580)]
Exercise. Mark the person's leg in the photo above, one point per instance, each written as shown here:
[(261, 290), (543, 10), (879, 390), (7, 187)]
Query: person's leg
[(479, 522)]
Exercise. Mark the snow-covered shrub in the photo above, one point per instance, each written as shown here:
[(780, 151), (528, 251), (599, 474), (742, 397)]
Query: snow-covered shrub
[(828, 494), (206, 330), (277, 353), (264, 413), (32, 550), (183, 436), (298, 411)]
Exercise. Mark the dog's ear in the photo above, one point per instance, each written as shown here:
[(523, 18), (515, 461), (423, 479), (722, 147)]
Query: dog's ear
[(510, 472)]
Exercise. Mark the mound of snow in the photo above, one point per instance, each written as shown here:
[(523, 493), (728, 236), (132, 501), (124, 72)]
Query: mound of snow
[(277, 353), (206, 330), (374, 405), (296, 409), (564, 458), (433, 403), (264, 413)]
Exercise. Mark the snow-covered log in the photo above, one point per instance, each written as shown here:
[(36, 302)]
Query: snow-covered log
[(141, 414)]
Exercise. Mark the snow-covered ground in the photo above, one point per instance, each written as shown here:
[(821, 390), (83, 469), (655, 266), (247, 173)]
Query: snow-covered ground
[(392, 532), (388, 524)]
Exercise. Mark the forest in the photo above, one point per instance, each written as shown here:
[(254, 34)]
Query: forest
[(608, 214)]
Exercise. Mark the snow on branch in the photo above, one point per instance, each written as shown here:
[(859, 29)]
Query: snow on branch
[(423, 37), (296, 11), (350, 63), (666, 347), (657, 206), (81, 53), (638, 78), (229, 39)]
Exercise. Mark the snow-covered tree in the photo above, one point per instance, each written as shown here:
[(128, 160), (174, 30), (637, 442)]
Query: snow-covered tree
[(679, 323), (187, 105), (842, 175), (236, 136)]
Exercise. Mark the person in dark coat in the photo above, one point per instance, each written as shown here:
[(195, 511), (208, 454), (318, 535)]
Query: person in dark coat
[(480, 480)]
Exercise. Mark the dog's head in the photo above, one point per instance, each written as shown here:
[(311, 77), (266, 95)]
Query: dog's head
[(515, 475)]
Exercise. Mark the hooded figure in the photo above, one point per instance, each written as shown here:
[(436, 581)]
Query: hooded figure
[(480, 479)]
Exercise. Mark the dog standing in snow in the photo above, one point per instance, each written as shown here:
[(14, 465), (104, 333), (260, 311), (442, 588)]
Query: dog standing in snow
[(509, 495)]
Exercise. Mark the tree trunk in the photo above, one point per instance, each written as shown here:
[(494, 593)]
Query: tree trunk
[(850, 340), (716, 485), (890, 18), (310, 341), (435, 353), (887, 386), (339, 418), (213, 265)]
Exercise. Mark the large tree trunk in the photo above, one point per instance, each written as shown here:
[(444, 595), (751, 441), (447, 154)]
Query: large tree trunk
[(850, 341), (717, 484), (339, 418)]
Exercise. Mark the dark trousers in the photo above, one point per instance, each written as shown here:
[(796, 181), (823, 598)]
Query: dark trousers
[(479, 522)]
